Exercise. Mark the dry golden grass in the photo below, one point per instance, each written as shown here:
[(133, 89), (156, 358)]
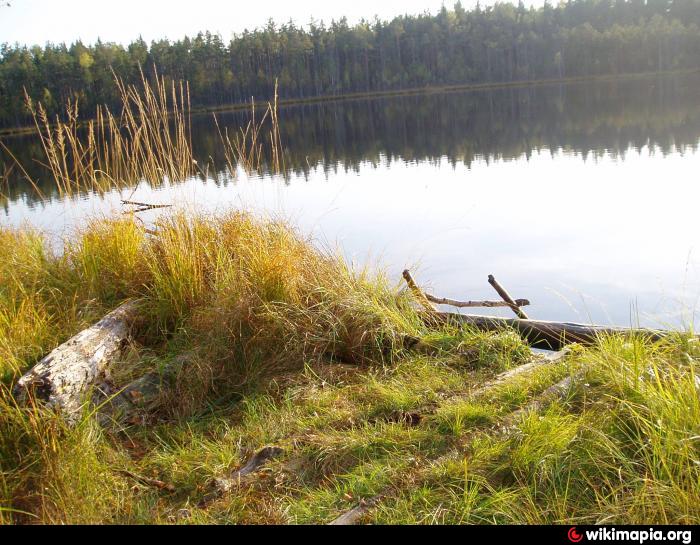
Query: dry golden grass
[(149, 140), (245, 147)]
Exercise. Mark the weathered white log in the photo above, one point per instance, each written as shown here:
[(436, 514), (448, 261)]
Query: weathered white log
[(537, 362), (554, 393), (63, 377)]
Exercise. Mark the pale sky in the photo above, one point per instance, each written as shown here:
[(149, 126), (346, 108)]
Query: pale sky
[(40, 21)]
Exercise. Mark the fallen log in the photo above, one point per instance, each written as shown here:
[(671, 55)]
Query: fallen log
[(541, 333), (132, 403), (538, 362), (356, 514), (549, 396), (63, 377)]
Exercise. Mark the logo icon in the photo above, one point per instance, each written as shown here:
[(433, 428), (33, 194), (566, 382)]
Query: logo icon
[(574, 536)]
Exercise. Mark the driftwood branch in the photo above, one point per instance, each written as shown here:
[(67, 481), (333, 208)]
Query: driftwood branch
[(545, 334), (155, 483), (63, 377), (224, 485), (429, 301), (507, 298), (474, 304), (418, 292), (354, 515), (143, 206)]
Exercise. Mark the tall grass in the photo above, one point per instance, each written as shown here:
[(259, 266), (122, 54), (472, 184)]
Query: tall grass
[(245, 299), (246, 146), (149, 139)]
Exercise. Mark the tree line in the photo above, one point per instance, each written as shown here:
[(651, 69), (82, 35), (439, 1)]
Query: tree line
[(500, 43)]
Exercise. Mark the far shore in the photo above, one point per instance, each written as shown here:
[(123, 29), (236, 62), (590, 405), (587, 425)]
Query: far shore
[(409, 91)]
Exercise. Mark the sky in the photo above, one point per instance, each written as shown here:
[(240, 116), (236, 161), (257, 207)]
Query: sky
[(39, 21)]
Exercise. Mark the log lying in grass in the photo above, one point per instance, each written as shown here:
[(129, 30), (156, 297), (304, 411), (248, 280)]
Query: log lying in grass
[(132, 403), (63, 377), (550, 395), (544, 334), (537, 362)]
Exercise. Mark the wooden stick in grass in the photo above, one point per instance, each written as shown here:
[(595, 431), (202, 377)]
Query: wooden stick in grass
[(473, 304), (418, 292), (224, 485), (507, 298), (156, 483), (354, 515)]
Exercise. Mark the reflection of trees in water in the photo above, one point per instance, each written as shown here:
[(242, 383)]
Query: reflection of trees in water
[(587, 119)]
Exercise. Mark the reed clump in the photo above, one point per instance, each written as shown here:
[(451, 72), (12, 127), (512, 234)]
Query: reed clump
[(250, 292), (248, 146), (149, 140)]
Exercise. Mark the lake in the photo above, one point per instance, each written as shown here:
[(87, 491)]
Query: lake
[(581, 197)]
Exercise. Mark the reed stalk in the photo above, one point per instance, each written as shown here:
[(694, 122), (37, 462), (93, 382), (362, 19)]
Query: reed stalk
[(149, 140), (245, 147)]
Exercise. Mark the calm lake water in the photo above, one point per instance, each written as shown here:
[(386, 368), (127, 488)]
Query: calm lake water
[(582, 198)]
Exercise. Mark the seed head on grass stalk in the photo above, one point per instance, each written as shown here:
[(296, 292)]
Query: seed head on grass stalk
[(149, 140), (246, 148)]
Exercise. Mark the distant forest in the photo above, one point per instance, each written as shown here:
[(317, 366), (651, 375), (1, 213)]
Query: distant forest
[(502, 43)]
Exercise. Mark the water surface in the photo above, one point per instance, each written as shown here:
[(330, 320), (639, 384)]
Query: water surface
[(582, 198)]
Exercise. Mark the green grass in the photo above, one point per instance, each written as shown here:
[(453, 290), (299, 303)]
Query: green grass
[(280, 344)]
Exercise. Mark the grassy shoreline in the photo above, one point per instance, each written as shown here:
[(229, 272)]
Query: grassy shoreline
[(287, 346), (411, 91), (252, 337)]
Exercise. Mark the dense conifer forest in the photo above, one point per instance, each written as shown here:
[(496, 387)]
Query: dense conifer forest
[(500, 43)]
